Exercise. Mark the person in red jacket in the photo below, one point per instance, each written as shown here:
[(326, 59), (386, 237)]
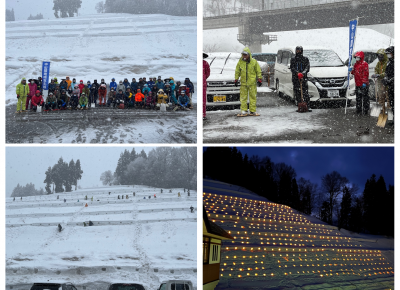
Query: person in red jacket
[(206, 74), (361, 75), (81, 86), (32, 90), (102, 94), (37, 100)]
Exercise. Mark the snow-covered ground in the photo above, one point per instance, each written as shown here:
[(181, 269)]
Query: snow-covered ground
[(134, 239), (334, 38), (102, 46), (276, 247)]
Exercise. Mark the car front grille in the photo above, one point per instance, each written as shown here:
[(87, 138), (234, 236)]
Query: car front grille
[(221, 83), (332, 82)]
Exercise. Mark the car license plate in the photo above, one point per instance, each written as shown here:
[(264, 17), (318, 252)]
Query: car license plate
[(219, 99), (333, 94)]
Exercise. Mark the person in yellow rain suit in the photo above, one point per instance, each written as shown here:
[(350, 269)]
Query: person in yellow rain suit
[(22, 92), (249, 72)]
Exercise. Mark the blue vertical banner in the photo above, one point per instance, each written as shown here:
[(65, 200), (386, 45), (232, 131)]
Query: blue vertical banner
[(352, 39), (45, 74)]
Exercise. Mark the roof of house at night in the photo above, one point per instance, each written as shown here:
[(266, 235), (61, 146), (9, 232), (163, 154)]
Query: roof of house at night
[(213, 230)]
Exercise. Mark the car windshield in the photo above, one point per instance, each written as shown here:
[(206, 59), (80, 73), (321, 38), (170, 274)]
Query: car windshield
[(126, 287), (265, 58), (218, 63), (321, 58)]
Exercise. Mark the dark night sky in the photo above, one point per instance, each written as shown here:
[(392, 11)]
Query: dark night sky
[(355, 163)]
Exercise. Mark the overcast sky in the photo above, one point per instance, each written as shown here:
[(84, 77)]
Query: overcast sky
[(355, 163), (23, 8), (29, 164)]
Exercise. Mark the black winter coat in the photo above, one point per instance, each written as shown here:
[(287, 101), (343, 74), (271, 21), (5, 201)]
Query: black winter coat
[(299, 64)]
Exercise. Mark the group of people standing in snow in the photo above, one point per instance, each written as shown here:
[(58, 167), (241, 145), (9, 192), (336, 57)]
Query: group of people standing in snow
[(68, 94)]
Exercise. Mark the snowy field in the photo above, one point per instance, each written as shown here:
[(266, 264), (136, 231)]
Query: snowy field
[(334, 38), (102, 46), (276, 247), (134, 239)]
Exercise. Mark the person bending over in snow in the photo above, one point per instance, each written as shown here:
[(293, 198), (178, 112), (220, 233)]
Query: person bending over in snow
[(111, 97), (300, 66), (139, 99), (51, 102), (361, 78), (83, 102), (37, 100)]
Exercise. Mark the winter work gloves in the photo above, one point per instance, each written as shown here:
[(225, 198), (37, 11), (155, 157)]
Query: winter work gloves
[(236, 83), (364, 85), (259, 82), (350, 69)]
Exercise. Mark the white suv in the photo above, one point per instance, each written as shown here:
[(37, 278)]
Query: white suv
[(221, 90), (327, 79)]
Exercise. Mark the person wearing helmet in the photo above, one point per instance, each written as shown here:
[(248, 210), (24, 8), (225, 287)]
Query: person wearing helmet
[(22, 91), (69, 82), (83, 102), (388, 79), (129, 98), (63, 100), (51, 102), (37, 100), (206, 75), (139, 99), (126, 83), (76, 91), (162, 98), (185, 89), (111, 97), (361, 78), (134, 85), (95, 91), (300, 66), (121, 86), (113, 84), (102, 94)]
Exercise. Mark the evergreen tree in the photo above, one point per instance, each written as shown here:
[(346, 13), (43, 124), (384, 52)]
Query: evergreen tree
[(345, 209), (66, 8), (77, 173), (48, 180), (10, 15)]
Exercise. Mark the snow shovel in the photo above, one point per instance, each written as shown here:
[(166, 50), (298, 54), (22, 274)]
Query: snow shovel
[(302, 106), (382, 117), (375, 109)]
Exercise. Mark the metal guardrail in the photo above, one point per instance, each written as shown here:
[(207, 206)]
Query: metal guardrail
[(269, 5)]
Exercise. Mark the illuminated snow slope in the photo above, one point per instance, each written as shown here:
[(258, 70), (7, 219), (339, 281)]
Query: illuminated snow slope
[(276, 247), (134, 239)]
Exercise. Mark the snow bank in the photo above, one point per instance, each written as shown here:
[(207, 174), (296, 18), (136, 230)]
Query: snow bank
[(135, 239)]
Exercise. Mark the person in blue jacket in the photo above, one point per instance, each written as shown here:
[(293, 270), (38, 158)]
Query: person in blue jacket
[(150, 83), (160, 84), (173, 98), (183, 101), (126, 83), (52, 86), (134, 85), (113, 84), (190, 85), (146, 90)]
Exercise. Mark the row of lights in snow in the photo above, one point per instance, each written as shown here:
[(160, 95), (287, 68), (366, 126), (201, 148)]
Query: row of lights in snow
[(256, 214)]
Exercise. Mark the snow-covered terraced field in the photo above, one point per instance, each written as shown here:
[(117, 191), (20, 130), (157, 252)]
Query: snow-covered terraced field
[(135, 239), (102, 46), (276, 247)]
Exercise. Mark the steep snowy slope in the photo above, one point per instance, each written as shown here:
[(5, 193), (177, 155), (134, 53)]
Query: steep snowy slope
[(275, 247), (102, 46), (134, 239)]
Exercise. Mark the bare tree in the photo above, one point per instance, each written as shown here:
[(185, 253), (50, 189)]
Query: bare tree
[(332, 185), (107, 177)]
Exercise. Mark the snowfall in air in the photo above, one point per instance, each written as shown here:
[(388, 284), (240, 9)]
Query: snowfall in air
[(139, 239), (277, 247)]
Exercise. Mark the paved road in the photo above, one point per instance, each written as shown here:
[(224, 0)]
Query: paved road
[(279, 123), (103, 125)]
